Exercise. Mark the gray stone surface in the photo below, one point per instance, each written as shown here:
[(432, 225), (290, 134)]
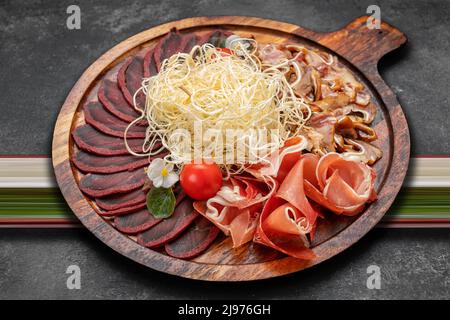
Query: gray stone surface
[(414, 264), (40, 60)]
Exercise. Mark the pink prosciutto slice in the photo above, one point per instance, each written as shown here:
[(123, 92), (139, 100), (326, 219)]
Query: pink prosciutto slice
[(112, 98), (196, 239), (92, 163), (100, 185), (136, 222), (169, 228), (91, 140), (236, 207), (104, 121), (279, 230), (117, 201), (129, 78), (343, 186)]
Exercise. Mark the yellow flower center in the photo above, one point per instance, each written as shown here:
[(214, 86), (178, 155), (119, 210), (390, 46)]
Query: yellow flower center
[(164, 172)]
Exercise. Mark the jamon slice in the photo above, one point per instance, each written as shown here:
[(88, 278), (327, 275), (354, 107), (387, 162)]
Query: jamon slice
[(135, 222), (130, 78), (193, 241), (117, 201), (100, 185), (171, 227), (104, 121), (89, 139), (112, 98), (92, 163)]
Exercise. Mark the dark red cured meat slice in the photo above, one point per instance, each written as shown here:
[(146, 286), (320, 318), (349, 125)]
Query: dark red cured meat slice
[(135, 222), (123, 211), (112, 98), (91, 140), (130, 78), (189, 41), (117, 201), (216, 38), (98, 117), (100, 185), (88, 162), (141, 220), (170, 44), (171, 227), (149, 64), (194, 240)]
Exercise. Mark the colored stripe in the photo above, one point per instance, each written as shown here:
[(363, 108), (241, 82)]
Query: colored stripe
[(29, 195)]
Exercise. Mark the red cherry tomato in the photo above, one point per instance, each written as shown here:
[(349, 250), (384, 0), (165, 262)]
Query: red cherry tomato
[(201, 181), (225, 51)]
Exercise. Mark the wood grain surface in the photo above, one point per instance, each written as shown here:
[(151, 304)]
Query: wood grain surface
[(358, 47)]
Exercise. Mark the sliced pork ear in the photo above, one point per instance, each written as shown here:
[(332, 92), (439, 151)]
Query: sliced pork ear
[(106, 122), (324, 124), (196, 239), (361, 151), (88, 162), (169, 228), (100, 185), (117, 201), (129, 78), (112, 98), (136, 222), (89, 139)]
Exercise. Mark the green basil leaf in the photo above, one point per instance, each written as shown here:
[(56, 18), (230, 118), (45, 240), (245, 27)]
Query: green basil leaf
[(161, 202)]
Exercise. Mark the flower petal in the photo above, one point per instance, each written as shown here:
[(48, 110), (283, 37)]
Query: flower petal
[(156, 164), (170, 180), (158, 181)]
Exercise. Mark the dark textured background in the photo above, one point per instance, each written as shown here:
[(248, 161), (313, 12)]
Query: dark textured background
[(40, 60)]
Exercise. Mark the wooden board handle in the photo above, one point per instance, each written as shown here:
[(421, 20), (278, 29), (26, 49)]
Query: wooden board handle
[(362, 46)]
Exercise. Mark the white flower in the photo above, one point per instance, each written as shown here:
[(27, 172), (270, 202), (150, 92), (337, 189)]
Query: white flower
[(161, 173)]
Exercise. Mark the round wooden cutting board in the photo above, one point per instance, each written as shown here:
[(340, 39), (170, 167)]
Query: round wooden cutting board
[(357, 47)]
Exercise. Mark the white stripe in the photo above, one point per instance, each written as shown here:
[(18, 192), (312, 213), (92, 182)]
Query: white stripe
[(38, 173), (26, 173)]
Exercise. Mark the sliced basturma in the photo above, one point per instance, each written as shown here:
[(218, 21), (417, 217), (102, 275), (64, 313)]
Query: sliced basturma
[(141, 220), (118, 201), (98, 117), (135, 222), (92, 163), (130, 77), (91, 140), (123, 211), (194, 240), (112, 98), (170, 44), (217, 38), (171, 227), (100, 185), (150, 64)]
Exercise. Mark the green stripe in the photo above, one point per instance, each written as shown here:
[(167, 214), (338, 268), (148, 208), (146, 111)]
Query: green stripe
[(427, 203)]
